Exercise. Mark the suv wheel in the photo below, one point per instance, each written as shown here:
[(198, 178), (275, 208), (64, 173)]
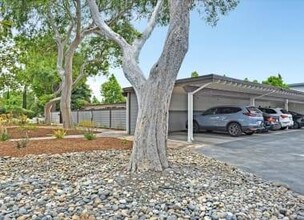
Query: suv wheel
[(195, 127), (296, 125), (234, 129)]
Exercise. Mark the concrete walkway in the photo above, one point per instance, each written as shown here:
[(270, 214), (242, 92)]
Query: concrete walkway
[(174, 144)]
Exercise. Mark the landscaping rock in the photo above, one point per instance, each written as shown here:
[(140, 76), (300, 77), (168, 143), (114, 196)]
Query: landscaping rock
[(95, 185)]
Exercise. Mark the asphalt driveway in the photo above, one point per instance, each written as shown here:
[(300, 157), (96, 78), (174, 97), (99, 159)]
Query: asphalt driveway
[(276, 156)]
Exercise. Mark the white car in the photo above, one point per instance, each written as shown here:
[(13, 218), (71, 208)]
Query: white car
[(285, 118)]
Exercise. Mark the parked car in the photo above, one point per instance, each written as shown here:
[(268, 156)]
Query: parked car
[(285, 118), (271, 122), (298, 119), (233, 119)]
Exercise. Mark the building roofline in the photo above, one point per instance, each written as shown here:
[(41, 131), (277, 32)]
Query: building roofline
[(215, 77), (296, 84)]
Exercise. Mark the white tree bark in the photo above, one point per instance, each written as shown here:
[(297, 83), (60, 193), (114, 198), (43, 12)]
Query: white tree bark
[(65, 57), (47, 109), (153, 94)]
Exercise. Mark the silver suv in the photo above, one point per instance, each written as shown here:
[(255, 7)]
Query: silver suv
[(233, 119)]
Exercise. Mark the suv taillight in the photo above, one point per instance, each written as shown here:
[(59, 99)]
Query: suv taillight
[(284, 116), (248, 114)]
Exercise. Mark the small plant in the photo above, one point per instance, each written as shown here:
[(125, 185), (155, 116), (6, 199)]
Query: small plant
[(22, 143), (89, 129), (6, 119), (22, 119), (124, 141), (89, 136), (59, 133), (4, 136), (28, 127)]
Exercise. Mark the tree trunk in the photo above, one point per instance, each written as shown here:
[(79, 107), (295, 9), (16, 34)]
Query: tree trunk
[(65, 102), (150, 138), (154, 93), (151, 133), (47, 110), (24, 97)]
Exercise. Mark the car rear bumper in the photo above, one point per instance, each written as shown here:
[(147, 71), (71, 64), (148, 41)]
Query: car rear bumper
[(286, 124)]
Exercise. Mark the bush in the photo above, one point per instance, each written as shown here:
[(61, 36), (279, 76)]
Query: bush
[(22, 143), (89, 129), (22, 119), (59, 133), (4, 136), (89, 136), (6, 119), (28, 127)]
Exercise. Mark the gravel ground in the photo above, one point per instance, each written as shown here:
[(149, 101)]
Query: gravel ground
[(94, 185)]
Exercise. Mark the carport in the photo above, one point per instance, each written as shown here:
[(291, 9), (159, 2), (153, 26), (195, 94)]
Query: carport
[(215, 85), (200, 93)]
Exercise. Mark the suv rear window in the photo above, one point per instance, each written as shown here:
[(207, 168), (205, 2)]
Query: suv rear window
[(253, 109), (228, 110), (284, 111), (270, 111)]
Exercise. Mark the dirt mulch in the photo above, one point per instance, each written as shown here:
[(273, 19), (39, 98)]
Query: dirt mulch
[(59, 146), (18, 132)]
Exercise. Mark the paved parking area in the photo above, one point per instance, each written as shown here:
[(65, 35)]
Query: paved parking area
[(276, 156)]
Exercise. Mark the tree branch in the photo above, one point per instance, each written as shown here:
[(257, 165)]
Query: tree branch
[(81, 74), (53, 26), (73, 46), (106, 30), (176, 43), (78, 19), (60, 46), (69, 32), (139, 43), (58, 90)]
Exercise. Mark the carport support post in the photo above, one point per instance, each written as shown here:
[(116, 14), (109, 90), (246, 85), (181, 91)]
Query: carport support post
[(190, 110), (252, 101), (190, 117), (286, 104)]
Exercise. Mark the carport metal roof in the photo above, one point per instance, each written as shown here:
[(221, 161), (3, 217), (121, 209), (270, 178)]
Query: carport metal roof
[(240, 88)]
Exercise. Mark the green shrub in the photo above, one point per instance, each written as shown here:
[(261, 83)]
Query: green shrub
[(59, 133), (89, 136), (27, 127), (4, 136), (6, 119), (89, 126), (22, 119), (22, 143)]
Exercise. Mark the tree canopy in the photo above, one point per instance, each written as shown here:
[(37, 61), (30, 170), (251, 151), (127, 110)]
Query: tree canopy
[(276, 81), (194, 74), (111, 91)]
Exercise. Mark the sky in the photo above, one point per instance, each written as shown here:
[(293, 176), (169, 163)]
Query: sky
[(258, 39)]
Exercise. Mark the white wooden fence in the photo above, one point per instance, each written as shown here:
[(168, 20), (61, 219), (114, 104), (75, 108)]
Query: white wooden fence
[(104, 118)]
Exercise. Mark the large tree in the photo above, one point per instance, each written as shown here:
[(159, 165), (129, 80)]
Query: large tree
[(69, 22), (154, 92), (111, 91)]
